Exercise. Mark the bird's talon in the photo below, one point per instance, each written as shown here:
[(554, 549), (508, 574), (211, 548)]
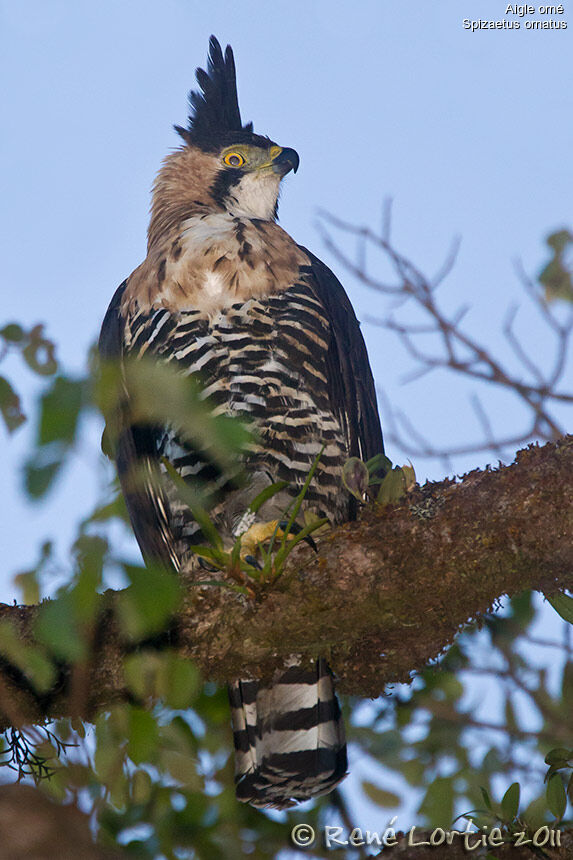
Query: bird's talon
[(258, 533), (295, 529)]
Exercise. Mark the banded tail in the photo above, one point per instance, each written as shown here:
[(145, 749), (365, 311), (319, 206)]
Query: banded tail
[(289, 737)]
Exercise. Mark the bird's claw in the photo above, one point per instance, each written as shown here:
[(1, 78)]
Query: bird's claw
[(296, 529), (261, 533)]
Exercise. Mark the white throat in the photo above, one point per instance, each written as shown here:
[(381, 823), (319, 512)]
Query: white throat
[(255, 196)]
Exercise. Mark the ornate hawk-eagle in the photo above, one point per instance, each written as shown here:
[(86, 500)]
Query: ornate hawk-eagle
[(227, 296)]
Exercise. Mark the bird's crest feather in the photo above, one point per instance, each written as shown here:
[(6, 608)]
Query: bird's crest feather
[(215, 114)]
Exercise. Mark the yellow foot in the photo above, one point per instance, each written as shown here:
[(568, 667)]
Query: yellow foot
[(259, 533)]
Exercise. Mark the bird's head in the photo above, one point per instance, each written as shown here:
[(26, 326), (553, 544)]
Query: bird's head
[(248, 178), (223, 165)]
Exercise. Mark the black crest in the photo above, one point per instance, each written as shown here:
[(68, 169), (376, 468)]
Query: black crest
[(215, 117)]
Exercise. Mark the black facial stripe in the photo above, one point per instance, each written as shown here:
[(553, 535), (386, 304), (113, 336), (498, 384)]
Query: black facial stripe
[(222, 185)]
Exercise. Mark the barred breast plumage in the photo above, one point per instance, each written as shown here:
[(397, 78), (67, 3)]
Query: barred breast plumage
[(264, 359)]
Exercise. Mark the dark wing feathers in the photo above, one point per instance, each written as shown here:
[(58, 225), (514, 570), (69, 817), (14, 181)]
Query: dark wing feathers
[(352, 389), (110, 342), (137, 467), (134, 447)]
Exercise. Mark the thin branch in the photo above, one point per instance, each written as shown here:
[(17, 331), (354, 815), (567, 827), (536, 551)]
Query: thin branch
[(455, 350), (519, 351)]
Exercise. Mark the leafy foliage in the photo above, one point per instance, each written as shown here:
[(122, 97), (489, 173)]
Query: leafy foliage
[(556, 276), (156, 390), (436, 735), (377, 480), (38, 354)]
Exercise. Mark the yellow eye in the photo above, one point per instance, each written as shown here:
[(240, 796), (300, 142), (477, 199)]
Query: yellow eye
[(234, 159)]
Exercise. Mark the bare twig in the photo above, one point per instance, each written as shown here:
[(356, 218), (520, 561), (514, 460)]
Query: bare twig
[(454, 349)]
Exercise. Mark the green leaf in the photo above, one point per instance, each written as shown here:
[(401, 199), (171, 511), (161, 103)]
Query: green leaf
[(570, 788), (380, 796), (39, 476), (30, 660), (143, 736), (60, 410), (486, 798), (178, 734), (286, 543), (266, 494), (379, 463), (159, 392), (556, 276), (10, 407), (39, 354), (535, 815), (290, 544), (90, 552), (182, 767), (355, 477), (108, 754), (395, 485), (13, 333), (56, 627), (150, 601), (450, 685), (559, 756), (479, 817), (409, 476), (510, 802), (563, 605), (142, 671), (141, 787), (413, 771), (180, 682), (108, 760), (556, 797), (114, 509), (521, 609), (438, 802), (215, 555), (29, 580), (29, 586), (150, 675), (567, 687), (510, 717)]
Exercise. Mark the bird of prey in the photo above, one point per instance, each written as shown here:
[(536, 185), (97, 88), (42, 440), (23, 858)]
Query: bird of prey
[(227, 296)]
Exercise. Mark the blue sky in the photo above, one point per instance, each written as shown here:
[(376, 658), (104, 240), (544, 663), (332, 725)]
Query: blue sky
[(470, 134)]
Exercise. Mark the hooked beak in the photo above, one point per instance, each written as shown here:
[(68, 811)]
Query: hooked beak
[(285, 161)]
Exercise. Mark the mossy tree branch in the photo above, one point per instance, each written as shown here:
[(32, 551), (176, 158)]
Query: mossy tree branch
[(382, 596)]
